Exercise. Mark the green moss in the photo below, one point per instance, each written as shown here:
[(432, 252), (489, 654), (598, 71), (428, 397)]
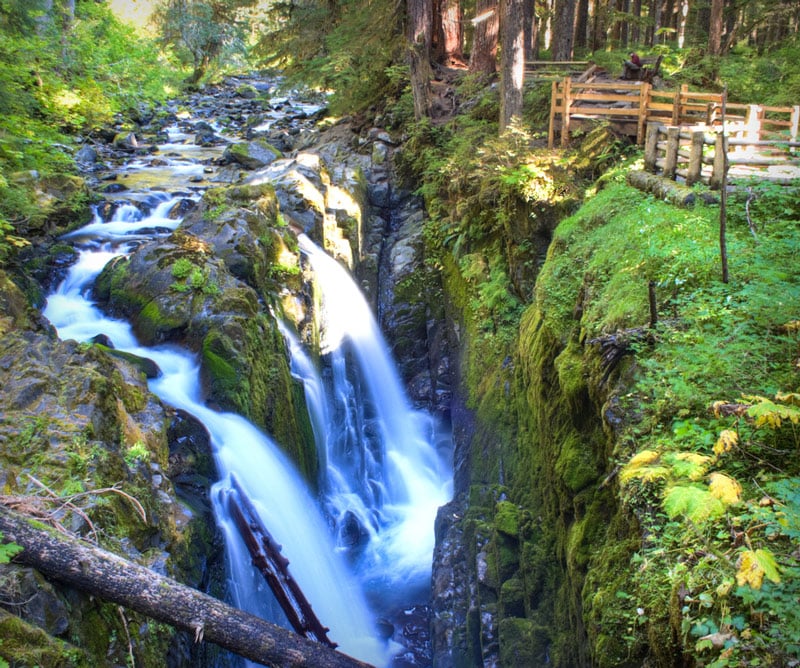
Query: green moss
[(523, 644), (155, 323), (575, 464), (27, 646), (506, 518)]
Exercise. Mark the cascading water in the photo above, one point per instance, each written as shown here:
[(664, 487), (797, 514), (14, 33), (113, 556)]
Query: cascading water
[(270, 481), (386, 467)]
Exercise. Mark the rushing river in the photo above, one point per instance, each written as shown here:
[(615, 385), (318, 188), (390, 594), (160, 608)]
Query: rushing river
[(363, 546)]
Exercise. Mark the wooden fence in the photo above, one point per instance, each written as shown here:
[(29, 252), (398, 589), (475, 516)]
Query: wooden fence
[(630, 106), (697, 153), (682, 130)]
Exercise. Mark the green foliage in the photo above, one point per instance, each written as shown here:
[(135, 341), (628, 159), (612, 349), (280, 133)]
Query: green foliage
[(201, 31), (136, 454), (57, 78), (350, 49), (8, 550)]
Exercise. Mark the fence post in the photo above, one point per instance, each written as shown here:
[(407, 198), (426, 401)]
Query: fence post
[(795, 125), (676, 107), (752, 124), (551, 133), (565, 115), (644, 98), (695, 170), (719, 161), (671, 156), (651, 147)]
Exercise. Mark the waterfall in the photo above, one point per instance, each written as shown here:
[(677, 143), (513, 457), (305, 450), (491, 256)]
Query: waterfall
[(271, 482), (387, 466), (363, 549)]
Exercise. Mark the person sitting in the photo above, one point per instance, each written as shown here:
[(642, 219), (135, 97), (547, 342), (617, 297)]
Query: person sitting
[(632, 67)]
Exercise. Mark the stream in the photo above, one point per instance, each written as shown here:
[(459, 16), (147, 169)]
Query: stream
[(360, 549)]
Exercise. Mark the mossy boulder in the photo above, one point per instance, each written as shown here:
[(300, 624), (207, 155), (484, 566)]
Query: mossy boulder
[(177, 289), (242, 226), (81, 425), (252, 154)]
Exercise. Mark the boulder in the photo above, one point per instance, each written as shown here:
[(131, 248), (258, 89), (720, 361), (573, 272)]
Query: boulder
[(252, 154)]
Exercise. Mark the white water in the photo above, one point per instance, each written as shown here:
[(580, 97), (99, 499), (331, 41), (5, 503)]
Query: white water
[(270, 481), (383, 466), (386, 467)]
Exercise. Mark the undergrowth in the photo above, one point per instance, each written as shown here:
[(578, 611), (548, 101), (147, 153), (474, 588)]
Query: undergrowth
[(711, 467)]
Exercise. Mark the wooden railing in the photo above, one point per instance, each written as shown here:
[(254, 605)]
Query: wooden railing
[(631, 106), (697, 153)]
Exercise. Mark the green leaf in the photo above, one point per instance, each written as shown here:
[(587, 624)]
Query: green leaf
[(694, 502)]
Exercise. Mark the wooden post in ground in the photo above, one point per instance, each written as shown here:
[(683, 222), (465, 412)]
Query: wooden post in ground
[(718, 169), (565, 115), (794, 126), (676, 108), (644, 97), (551, 133), (651, 147), (671, 156), (752, 131), (695, 170)]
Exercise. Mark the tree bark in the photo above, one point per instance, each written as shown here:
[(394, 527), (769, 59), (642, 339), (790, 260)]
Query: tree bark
[(112, 578), (715, 28), (512, 56), (419, 37), (448, 32), (563, 29), (483, 57)]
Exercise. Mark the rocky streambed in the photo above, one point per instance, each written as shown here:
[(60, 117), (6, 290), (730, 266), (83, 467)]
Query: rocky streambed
[(84, 443)]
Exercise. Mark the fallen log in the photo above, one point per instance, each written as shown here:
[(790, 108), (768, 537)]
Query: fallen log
[(112, 578), (662, 187), (268, 559)]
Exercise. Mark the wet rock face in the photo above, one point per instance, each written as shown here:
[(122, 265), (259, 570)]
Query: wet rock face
[(79, 424)]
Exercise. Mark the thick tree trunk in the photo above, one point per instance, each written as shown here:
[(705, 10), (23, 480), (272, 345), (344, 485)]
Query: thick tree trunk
[(419, 37), (512, 61), (715, 28), (483, 57), (563, 27), (112, 578), (448, 32)]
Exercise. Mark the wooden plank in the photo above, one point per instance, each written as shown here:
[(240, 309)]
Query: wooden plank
[(607, 97)]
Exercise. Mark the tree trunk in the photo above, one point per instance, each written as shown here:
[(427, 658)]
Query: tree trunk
[(563, 27), (715, 28), (512, 59), (582, 24), (420, 37), (636, 27), (528, 27), (448, 32), (483, 57), (112, 578)]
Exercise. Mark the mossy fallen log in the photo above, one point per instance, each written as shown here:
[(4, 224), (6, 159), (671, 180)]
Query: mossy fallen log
[(100, 573), (662, 187)]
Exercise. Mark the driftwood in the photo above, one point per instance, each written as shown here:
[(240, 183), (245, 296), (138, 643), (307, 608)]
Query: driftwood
[(267, 557), (112, 578), (662, 187)]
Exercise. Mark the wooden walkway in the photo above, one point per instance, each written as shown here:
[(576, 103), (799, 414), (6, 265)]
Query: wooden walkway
[(683, 131)]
